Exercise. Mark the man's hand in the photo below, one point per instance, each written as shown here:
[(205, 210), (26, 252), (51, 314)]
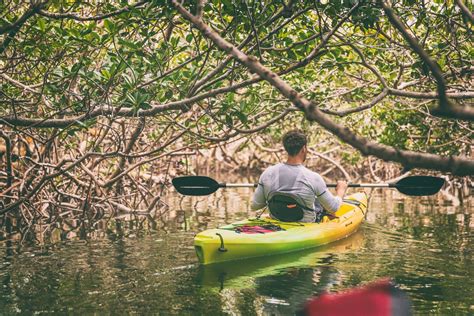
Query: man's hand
[(341, 188)]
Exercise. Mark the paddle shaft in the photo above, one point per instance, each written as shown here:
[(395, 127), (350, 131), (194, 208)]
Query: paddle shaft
[(330, 185), (365, 185)]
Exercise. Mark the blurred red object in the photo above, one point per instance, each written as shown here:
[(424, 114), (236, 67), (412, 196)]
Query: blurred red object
[(380, 298)]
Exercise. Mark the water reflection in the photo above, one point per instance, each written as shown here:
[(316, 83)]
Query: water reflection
[(279, 283), (145, 263)]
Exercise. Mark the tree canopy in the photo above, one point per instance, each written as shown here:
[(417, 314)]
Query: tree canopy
[(117, 85)]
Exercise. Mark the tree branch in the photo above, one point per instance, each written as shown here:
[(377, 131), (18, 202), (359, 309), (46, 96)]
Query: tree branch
[(465, 11), (200, 7), (429, 95), (32, 10), (14, 28), (8, 159), (19, 84), (361, 108), (133, 139)]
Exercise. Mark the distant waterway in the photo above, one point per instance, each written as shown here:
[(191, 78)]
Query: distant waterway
[(138, 264)]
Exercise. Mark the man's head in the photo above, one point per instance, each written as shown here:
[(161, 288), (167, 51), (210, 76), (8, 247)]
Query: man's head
[(294, 141)]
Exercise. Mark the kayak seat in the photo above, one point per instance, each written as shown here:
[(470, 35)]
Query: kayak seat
[(284, 208)]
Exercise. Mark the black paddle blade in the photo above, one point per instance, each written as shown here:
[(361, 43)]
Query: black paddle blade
[(195, 185), (419, 185)]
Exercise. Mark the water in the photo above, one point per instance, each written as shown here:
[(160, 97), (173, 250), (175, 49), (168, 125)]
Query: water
[(135, 265)]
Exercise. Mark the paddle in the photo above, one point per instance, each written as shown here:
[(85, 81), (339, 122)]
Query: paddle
[(412, 185)]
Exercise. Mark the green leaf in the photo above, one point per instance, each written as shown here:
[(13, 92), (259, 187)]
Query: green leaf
[(229, 121), (41, 24), (109, 25), (242, 117), (291, 54), (128, 44), (105, 73)]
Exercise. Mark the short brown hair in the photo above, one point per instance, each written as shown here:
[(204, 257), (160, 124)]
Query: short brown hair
[(293, 141)]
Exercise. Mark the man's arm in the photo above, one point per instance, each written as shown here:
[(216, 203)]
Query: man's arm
[(258, 200), (328, 201), (341, 188)]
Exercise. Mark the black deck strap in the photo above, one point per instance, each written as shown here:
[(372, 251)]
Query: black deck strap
[(330, 215), (273, 227), (261, 213), (353, 202), (256, 221), (356, 203)]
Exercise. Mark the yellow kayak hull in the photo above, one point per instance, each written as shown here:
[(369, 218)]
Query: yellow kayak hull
[(239, 274), (226, 244)]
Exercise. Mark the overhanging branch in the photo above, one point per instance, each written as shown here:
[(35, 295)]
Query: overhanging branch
[(446, 108), (409, 159)]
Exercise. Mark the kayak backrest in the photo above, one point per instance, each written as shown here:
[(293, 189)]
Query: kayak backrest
[(285, 208)]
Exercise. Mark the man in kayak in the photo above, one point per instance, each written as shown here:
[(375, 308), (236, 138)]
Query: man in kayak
[(293, 179)]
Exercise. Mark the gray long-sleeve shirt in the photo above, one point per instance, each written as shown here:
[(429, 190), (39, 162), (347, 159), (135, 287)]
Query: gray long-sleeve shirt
[(306, 186)]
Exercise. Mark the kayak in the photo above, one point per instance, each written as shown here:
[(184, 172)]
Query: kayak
[(257, 237)]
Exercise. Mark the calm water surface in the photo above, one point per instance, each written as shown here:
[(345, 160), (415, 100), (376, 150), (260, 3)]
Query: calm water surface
[(140, 265)]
